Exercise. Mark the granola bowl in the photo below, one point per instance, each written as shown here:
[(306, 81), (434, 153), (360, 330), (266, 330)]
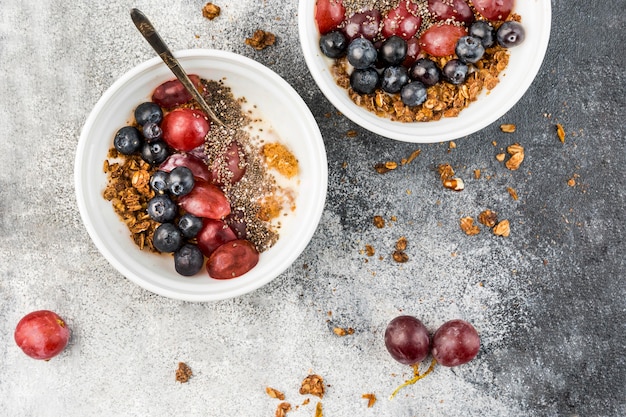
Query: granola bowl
[(282, 110), (524, 63)]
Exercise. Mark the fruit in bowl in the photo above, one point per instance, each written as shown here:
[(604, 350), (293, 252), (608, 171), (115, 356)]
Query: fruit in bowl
[(222, 203), (423, 70)]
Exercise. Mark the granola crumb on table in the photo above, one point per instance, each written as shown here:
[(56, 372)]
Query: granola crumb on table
[(211, 11), (313, 384), (183, 373), (261, 39)]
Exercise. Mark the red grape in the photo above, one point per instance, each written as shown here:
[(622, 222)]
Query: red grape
[(458, 10), (407, 340), (196, 166), (232, 259), (185, 129), (401, 22), (172, 93), (205, 200), (412, 52), (42, 334), (328, 15), (494, 9), (214, 233), (456, 342), (440, 40), (229, 167), (364, 24)]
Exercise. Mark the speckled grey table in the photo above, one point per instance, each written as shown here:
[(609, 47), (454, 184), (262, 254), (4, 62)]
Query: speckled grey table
[(548, 300)]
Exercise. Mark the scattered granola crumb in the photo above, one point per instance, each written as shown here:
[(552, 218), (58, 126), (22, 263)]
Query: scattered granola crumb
[(318, 410), (411, 157), (455, 184), (488, 218), (445, 171), (384, 167), (452, 145), (340, 331), (513, 193), (468, 226), (502, 229), (477, 174), (560, 132), (571, 182), (400, 257), (508, 128), (369, 250), (282, 409), (274, 393), (351, 133), (211, 11), (183, 373), (500, 157), (379, 222), (401, 244), (371, 399), (261, 40), (314, 385), (517, 156)]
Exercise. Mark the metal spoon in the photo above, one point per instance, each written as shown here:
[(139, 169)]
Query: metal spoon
[(156, 42)]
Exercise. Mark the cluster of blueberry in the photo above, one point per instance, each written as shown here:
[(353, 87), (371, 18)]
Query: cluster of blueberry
[(382, 67)]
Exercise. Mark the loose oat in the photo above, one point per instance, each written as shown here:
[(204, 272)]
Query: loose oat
[(384, 167), (502, 229), (400, 257), (560, 132), (379, 222), (274, 393), (500, 157), (468, 226), (282, 409), (371, 399), (211, 11), (369, 250), (515, 161), (411, 157), (455, 184), (261, 40), (401, 244), (313, 385), (340, 331), (508, 128), (512, 192)]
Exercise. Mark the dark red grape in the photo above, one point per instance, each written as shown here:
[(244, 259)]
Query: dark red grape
[(232, 259), (440, 40), (456, 342), (494, 9), (365, 24), (328, 15), (458, 10), (42, 334), (185, 129), (401, 22), (172, 93), (407, 340), (205, 200)]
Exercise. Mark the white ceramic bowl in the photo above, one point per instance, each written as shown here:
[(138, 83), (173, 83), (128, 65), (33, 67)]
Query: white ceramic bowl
[(279, 104), (525, 61)]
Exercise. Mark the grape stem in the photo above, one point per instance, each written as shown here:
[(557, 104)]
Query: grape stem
[(417, 376)]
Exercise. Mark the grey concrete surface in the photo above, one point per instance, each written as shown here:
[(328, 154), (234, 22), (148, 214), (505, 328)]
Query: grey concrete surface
[(548, 300)]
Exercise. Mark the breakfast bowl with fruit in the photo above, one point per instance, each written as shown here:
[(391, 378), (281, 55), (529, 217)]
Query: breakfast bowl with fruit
[(424, 70), (194, 208)]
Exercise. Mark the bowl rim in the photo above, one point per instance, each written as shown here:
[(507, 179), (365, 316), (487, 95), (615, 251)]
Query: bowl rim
[(430, 132), (228, 291)]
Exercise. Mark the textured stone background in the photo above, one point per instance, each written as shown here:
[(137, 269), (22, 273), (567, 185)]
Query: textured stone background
[(548, 301)]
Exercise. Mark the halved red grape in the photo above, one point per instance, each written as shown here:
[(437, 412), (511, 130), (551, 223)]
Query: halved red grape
[(401, 22), (197, 167), (185, 129), (214, 233), (205, 200), (456, 342), (458, 10), (364, 24), (494, 9), (42, 334), (413, 52), (229, 168), (440, 40), (407, 340), (232, 259), (172, 93), (328, 15)]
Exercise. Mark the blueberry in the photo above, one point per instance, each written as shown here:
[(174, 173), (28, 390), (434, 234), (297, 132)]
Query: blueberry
[(394, 78), (127, 140), (364, 81), (334, 44), (188, 260), (393, 50), (189, 225), (425, 71), (167, 238), (455, 72), (148, 112), (180, 182), (152, 132), (361, 53), (154, 153), (162, 209), (483, 30), (413, 94), (510, 34), (158, 182), (469, 49)]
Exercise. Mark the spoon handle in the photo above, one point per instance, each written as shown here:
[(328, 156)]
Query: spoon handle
[(156, 42)]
